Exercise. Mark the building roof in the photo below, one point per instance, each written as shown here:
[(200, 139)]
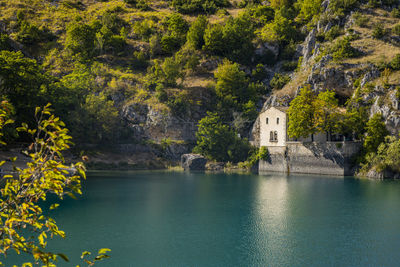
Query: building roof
[(283, 109)]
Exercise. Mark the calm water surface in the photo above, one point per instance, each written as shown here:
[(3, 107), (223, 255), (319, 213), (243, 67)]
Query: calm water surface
[(182, 219)]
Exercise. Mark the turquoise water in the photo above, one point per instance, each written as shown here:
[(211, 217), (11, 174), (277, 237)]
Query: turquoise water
[(182, 219)]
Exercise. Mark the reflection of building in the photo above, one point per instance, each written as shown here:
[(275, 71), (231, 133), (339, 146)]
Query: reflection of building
[(319, 153)]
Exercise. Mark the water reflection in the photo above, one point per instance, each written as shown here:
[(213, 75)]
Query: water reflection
[(194, 219)]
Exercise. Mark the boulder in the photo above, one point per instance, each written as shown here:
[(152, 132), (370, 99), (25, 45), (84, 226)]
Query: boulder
[(193, 162)]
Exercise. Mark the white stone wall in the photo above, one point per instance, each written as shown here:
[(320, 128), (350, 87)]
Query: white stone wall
[(273, 114)]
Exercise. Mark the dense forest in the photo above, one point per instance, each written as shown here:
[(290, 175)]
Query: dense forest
[(198, 72)]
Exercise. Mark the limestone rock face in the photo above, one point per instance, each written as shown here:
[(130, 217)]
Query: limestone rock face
[(193, 162)]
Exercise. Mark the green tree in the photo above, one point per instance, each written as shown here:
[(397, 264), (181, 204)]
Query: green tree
[(280, 30), (375, 133), (214, 138), (327, 116), (22, 83), (195, 36), (217, 141), (237, 35), (21, 194), (232, 84), (301, 114), (80, 40), (308, 9), (214, 40)]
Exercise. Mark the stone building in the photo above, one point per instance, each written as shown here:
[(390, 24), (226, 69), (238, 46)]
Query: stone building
[(317, 154)]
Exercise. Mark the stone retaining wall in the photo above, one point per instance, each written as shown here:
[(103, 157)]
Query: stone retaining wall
[(331, 158)]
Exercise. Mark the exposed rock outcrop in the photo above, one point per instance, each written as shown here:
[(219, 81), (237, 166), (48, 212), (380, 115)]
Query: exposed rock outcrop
[(193, 162)]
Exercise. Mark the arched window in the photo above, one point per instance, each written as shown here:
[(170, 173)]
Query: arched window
[(266, 120), (277, 120), (276, 136), (271, 136)]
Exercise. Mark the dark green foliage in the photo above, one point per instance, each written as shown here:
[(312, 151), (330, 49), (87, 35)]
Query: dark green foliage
[(360, 20), (396, 29), (395, 13), (280, 30), (378, 31), (217, 141), (176, 28), (30, 34), (334, 32), (289, 66), (213, 39), (233, 40), (178, 103), (339, 6), (170, 43), (80, 40), (395, 63), (343, 49), (232, 84), (139, 4), (22, 83), (5, 42), (279, 81), (262, 14), (376, 133), (198, 6), (195, 36), (139, 60)]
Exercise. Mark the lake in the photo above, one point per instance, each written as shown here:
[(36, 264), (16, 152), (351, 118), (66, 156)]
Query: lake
[(165, 218)]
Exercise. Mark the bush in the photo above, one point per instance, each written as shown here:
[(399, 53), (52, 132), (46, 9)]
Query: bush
[(213, 39), (395, 13), (217, 141), (195, 36), (343, 49), (289, 66), (341, 6), (80, 39), (360, 20), (334, 32), (170, 43), (378, 32), (5, 42), (396, 29), (30, 34), (144, 29), (395, 63), (279, 81), (198, 6)]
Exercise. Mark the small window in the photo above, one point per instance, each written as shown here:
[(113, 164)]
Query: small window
[(273, 136), (277, 120), (267, 120)]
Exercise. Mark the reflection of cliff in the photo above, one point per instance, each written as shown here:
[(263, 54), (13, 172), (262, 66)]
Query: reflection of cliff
[(332, 158)]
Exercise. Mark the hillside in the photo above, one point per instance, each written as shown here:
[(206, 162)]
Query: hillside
[(135, 77)]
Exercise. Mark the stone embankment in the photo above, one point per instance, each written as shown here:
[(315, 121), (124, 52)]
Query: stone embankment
[(332, 158)]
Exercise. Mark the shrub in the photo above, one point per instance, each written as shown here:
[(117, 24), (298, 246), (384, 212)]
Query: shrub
[(339, 6), (30, 34), (5, 42), (289, 65), (343, 49), (195, 36), (198, 6), (80, 39), (360, 20), (395, 13), (144, 29), (378, 32), (395, 63), (279, 81), (376, 133), (334, 32), (213, 39), (396, 29), (217, 141)]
